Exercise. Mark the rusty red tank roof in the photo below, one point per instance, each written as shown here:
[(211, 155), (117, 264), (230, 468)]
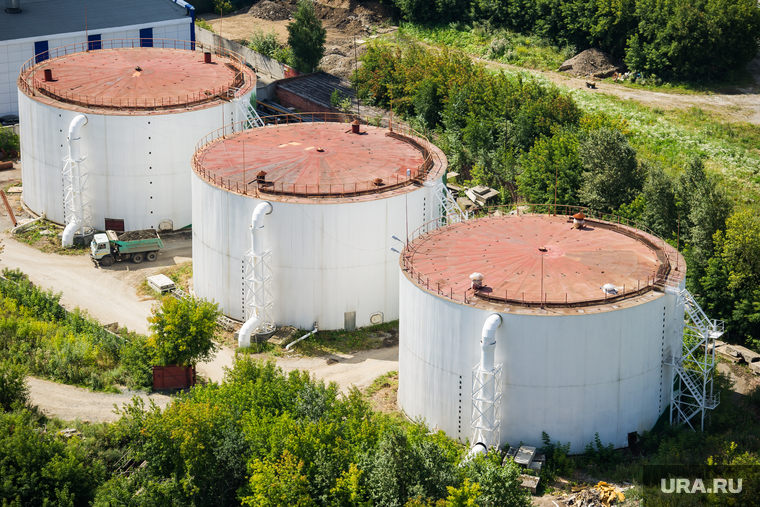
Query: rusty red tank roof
[(137, 78), (313, 159), (507, 250)]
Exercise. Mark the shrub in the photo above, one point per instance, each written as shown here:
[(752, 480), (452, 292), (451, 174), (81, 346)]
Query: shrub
[(9, 140), (13, 388), (202, 23), (264, 42)]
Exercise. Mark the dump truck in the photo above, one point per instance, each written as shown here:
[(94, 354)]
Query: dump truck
[(120, 246)]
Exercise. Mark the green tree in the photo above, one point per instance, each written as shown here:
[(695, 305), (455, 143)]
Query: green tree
[(661, 211), (731, 286), (185, 331), (306, 37), (612, 176), (704, 208), (13, 388), (551, 158), (694, 39)]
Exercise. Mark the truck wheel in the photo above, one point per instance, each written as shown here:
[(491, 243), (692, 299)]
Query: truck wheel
[(106, 261), (151, 256), (137, 258)]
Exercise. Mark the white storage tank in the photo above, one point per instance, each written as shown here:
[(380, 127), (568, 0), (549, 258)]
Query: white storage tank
[(337, 197), (145, 109), (580, 323)]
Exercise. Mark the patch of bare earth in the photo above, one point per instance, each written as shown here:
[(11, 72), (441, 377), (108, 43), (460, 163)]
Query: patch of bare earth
[(384, 399)]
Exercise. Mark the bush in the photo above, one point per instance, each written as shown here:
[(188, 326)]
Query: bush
[(202, 23), (264, 43), (8, 140), (39, 469), (13, 388)]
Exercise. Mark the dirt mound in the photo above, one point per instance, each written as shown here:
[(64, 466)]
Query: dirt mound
[(137, 235), (592, 62), (271, 11)]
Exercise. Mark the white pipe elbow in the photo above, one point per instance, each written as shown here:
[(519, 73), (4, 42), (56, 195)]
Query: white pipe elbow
[(67, 239), (244, 335), (488, 341), (257, 219), (478, 449), (75, 127)]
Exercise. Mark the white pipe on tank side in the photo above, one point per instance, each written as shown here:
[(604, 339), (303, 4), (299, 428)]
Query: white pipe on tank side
[(257, 247), (75, 157), (488, 341), (67, 239), (257, 226), (75, 126)]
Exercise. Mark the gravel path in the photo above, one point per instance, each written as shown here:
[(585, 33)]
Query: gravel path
[(69, 402)]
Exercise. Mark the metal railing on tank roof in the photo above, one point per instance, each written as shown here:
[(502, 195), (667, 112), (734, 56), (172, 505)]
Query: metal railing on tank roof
[(671, 267), (257, 187), (31, 83)]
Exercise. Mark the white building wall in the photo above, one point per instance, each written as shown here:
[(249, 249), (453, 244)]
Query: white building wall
[(568, 375), (139, 165), (328, 258), (14, 53)]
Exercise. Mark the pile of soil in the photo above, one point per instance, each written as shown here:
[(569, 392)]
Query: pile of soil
[(136, 235), (592, 63), (339, 59), (348, 16), (272, 11)]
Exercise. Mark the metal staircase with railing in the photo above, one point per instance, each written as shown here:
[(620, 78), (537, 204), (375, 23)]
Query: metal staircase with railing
[(450, 210), (252, 118), (692, 395)]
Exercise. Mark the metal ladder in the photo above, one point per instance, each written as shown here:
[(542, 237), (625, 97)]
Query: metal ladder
[(251, 115), (451, 209), (694, 398)]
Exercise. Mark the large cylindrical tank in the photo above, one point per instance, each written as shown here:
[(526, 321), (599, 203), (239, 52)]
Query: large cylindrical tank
[(146, 108), (331, 223), (576, 360)]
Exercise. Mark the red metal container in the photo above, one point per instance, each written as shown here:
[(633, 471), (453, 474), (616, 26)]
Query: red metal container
[(173, 376)]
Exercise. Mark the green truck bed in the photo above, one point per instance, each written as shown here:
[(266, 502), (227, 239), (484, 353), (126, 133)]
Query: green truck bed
[(146, 240)]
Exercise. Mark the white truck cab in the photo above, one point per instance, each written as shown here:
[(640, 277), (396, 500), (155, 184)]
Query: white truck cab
[(100, 246)]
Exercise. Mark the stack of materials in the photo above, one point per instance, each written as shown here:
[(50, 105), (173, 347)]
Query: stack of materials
[(601, 495)]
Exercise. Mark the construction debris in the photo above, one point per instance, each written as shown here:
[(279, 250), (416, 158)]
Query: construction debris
[(601, 495)]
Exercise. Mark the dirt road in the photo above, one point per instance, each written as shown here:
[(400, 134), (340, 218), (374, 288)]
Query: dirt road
[(358, 370), (69, 402)]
